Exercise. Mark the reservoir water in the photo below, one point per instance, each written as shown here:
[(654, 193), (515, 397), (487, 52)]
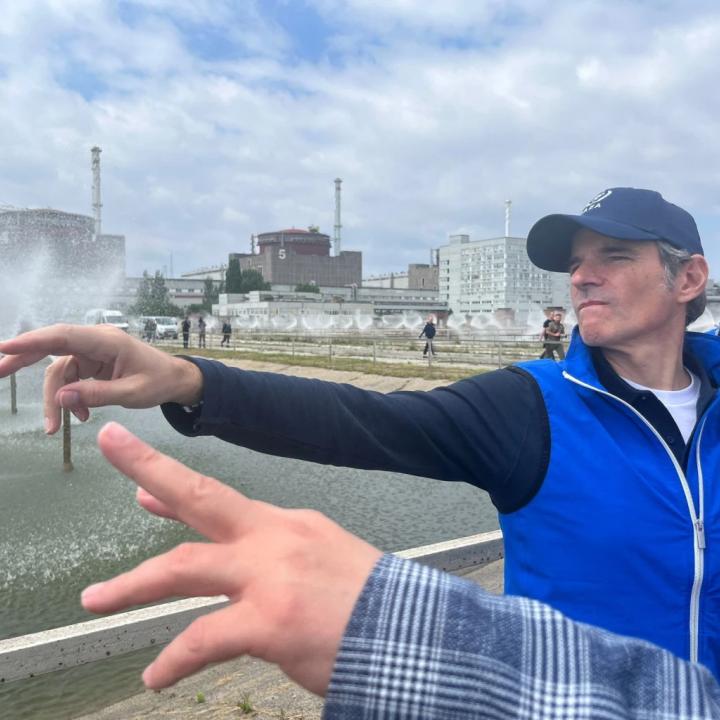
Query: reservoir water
[(62, 531)]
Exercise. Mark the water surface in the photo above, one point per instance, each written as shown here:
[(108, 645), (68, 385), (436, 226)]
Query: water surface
[(62, 531)]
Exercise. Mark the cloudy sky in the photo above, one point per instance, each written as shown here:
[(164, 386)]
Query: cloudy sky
[(220, 118)]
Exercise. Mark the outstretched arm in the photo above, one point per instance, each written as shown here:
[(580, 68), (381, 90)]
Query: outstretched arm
[(489, 430), (482, 430), (379, 636)]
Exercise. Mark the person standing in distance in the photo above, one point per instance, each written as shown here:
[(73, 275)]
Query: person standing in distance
[(554, 333), (226, 330), (429, 332), (186, 331)]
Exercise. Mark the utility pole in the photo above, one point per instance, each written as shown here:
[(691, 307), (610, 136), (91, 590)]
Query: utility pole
[(338, 224), (96, 202)]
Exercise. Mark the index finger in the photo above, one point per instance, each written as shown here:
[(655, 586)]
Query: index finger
[(12, 363), (61, 339), (211, 507)]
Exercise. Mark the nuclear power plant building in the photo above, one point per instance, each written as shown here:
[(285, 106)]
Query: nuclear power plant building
[(297, 257), (65, 242)]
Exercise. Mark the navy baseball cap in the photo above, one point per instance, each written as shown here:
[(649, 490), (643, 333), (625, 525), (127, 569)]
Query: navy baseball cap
[(622, 213)]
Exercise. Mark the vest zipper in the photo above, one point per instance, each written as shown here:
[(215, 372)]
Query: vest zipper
[(699, 553), (697, 519)]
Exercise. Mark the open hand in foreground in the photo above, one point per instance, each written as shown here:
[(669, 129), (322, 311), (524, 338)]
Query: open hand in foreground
[(100, 365), (292, 576)]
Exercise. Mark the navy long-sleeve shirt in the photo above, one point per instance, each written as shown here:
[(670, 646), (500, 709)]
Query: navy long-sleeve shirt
[(490, 430)]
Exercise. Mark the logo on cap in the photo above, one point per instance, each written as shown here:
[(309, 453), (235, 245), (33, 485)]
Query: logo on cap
[(596, 202)]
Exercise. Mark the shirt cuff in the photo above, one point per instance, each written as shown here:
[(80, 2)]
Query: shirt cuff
[(190, 423)]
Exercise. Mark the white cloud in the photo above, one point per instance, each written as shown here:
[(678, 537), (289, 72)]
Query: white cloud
[(544, 103)]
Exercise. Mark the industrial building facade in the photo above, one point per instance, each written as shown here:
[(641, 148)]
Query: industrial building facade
[(54, 268), (66, 241), (419, 276), (484, 276), (295, 257), (264, 305)]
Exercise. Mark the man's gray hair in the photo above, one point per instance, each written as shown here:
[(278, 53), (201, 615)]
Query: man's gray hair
[(673, 259)]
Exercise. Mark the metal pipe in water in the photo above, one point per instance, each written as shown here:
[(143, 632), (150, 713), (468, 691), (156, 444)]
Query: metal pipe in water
[(13, 394), (67, 450)]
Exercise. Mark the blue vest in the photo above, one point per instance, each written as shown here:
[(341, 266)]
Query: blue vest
[(618, 535)]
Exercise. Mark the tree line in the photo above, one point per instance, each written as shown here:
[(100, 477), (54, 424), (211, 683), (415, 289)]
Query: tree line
[(153, 297)]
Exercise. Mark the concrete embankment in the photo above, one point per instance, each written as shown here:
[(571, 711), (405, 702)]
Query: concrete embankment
[(249, 687), (264, 691)]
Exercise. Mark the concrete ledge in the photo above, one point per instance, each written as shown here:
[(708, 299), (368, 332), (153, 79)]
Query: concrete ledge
[(30, 655), (460, 554)]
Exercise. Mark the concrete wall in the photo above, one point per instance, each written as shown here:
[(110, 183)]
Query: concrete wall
[(422, 277), (61, 648)]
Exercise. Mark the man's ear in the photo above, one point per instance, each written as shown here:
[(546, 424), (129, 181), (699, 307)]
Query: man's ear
[(692, 278)]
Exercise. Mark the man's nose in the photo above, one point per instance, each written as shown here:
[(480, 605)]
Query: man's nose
[(586, 273)]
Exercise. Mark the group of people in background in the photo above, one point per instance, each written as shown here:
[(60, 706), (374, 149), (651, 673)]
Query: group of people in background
[(552, 334), (149, 331)]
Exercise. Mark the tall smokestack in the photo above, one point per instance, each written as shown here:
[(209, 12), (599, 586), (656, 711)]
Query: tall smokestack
[(97, 204), (338, 225), (508, 204)]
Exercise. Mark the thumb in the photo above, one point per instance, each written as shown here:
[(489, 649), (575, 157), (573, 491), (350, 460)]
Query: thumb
[(98, 393)]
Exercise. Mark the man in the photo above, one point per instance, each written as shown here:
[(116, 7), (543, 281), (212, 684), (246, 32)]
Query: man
[(226, 330), (202, 329), (597, 464), (554, 333), (185, 327), (150, 329), (429, 332), (376, 635)]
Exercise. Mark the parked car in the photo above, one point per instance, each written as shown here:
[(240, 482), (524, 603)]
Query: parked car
[(165, 327), (103, 316)]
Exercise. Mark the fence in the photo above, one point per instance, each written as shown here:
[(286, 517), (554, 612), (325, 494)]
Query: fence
[(388, 346)]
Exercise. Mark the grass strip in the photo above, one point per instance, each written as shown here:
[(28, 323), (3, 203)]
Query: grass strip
[(402, 370)]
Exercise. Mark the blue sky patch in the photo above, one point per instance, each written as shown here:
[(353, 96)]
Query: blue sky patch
[(307, 32), (82, 80)]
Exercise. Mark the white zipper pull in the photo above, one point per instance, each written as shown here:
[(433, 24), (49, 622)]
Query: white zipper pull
[(700, 534)]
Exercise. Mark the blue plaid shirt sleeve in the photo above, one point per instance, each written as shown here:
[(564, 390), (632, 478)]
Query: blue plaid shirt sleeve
[(424, 644)]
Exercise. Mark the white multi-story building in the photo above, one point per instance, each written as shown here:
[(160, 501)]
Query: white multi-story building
[(482, 276)]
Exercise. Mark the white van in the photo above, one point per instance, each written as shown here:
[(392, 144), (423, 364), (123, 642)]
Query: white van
[(165, 327), (101, 316)]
